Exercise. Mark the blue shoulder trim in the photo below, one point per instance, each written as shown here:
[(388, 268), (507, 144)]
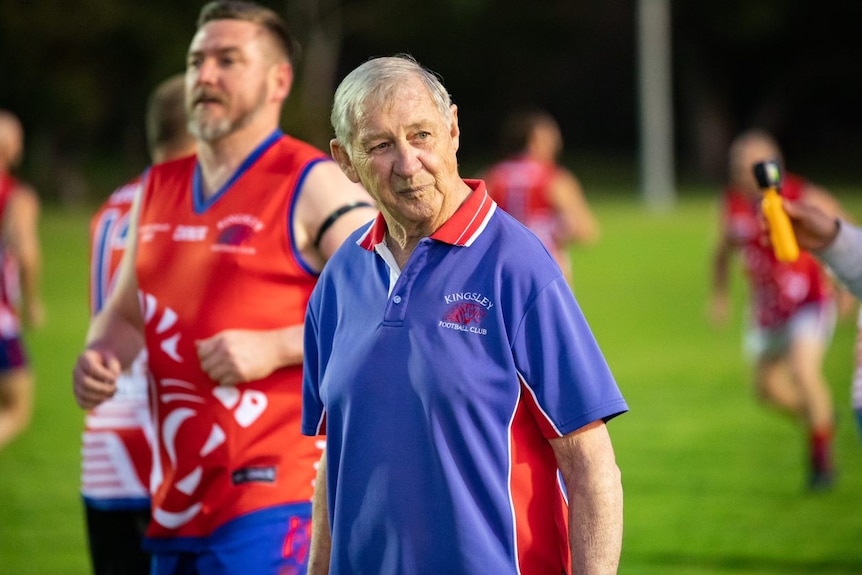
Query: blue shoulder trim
[(299, 189)]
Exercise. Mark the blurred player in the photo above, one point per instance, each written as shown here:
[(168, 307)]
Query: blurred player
[(225, 248), (541, 194), (20, 275), (793, 307), (118, 435)]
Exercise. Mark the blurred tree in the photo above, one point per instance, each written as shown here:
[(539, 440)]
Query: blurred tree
[(784, 65), (78, 72), (317, 25), (322, 27)]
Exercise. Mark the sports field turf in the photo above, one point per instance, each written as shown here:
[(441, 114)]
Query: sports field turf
[(713, 482)]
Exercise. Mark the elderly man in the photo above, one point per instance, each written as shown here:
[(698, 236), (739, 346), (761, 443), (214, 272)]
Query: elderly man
[(449, 366)]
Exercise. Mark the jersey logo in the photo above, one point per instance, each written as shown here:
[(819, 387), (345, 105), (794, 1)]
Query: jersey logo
[(465, 312), (234, 235), (236, 232)]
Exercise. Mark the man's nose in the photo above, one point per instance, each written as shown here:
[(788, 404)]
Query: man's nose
[(207, 72), (408, 163)]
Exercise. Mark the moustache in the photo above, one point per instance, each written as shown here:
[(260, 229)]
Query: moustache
[(205, 95)]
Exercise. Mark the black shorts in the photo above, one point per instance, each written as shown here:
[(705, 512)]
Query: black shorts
[(114, 538)]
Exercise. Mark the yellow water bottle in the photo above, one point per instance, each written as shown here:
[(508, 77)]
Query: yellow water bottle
[(781, 234)]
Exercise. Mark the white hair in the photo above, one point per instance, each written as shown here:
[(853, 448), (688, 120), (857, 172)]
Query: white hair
[(376, 80)]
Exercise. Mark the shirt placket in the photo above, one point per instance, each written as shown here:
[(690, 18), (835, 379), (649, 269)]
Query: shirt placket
[(402, 283)]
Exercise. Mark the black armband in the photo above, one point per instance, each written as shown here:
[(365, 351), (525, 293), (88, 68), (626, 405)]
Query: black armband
[(334, 216)]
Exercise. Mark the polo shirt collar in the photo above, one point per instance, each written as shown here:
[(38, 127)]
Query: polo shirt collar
[(462, 229)]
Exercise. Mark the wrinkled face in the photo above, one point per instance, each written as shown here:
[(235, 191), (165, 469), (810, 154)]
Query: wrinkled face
[(404, 153), (228, 68)]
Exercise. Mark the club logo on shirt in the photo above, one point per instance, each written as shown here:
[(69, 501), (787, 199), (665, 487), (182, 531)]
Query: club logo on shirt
[(465, 312), (236, 232)]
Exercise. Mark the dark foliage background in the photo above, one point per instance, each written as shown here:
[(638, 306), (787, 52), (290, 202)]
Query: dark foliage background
[(78, 73)]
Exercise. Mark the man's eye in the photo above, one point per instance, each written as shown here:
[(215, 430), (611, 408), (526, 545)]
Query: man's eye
[(379, 147)]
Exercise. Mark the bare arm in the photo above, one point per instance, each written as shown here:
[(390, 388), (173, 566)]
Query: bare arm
[(326, 190), (119, 327), (21, 230), (321, 538), (115, 337), (592, 478), (578, 224), (719, 309)]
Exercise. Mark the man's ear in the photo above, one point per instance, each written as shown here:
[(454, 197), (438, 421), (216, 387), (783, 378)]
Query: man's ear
[(340, 156), (281, 79), (454, 129)]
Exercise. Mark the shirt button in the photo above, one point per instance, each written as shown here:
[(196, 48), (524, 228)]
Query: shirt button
[(397, 299)]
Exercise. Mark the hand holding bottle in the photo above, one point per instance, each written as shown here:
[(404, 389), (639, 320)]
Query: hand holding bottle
[(781, 234)]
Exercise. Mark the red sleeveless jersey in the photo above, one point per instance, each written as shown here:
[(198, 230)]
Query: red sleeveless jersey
[(7, 184), (117, 441), (778, 289), (520, 186), (204, 266), (9, 280), (108, 234)]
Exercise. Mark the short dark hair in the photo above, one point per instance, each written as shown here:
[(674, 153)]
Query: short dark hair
[(257, 14), (518, 127), (166, 116)]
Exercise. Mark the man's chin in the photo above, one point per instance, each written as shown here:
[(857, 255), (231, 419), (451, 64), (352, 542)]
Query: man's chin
[(210, 131)]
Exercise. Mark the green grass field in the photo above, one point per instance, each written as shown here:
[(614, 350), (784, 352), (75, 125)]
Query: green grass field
[(713, 481)]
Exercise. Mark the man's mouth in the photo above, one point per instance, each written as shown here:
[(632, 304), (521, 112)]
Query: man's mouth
[(207, 99), (411, 191)]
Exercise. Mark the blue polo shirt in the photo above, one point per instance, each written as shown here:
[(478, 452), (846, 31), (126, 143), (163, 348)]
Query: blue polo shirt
[(437, 387)]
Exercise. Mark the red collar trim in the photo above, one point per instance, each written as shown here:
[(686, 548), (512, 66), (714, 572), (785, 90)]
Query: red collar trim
[(462, 229)]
